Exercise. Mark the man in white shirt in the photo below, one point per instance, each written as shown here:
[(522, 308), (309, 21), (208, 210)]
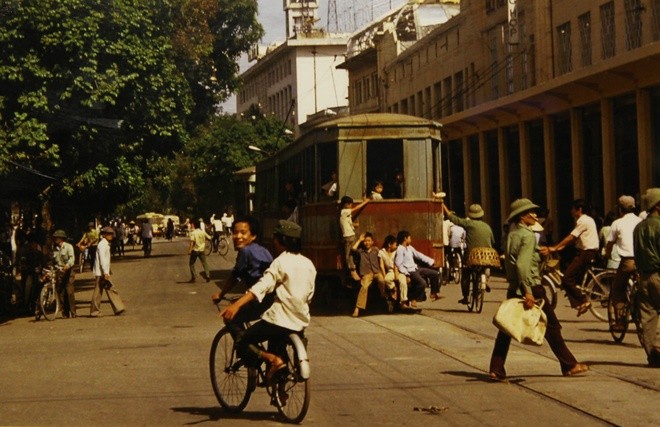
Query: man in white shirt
[(147, 236), (291, 277), (585, 238), (621, 238), (102, 276)]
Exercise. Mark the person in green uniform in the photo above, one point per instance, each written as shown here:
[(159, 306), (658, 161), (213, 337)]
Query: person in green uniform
[(478, 234), (646, 241), (523, 257)]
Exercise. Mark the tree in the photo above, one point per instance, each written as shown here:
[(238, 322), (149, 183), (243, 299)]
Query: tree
[(219, 149), (97, 92)]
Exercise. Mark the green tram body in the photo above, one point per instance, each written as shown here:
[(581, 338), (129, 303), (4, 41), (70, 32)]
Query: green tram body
[(360, 148)]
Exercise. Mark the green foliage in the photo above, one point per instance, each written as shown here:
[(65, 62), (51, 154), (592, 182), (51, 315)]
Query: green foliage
[(103, 93), (215, 152)]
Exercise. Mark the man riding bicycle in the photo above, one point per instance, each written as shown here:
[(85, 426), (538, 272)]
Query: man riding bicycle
[(478, 235), (291, 279)]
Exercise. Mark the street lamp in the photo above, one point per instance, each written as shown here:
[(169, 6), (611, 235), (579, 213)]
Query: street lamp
[(260, 150)]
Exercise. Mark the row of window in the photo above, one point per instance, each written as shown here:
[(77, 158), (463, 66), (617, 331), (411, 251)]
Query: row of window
[(633, 27), (280, 102), (427, 54), (258, 85), (365, 89)]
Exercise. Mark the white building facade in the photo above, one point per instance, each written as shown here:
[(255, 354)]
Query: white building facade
[(298, 77)]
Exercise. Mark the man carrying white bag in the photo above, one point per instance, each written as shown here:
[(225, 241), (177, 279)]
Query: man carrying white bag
[(523, 257)]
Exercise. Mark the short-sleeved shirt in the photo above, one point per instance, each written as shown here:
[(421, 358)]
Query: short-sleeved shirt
[(92, 237), (586, 233), (251, 262), (291, 276), (388, 259), (369, 261), (621, 234), (198, 237), (456, 236), (346, 223)]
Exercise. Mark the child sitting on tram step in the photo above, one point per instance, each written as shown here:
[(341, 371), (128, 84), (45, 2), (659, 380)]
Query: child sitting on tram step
[(369, 270), (346, 216), (391, 273)]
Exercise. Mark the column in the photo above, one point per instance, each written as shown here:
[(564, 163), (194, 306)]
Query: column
[(483, 176), (550, 174), (644, 140), (525, 161), (609, 159), (577, 152), (503, 174), (467, 178)]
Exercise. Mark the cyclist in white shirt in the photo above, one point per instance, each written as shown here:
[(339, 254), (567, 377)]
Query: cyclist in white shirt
[(291, 277), (621, 238), (585, 238)]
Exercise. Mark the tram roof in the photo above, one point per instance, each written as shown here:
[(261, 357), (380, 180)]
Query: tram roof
[(367, 126)]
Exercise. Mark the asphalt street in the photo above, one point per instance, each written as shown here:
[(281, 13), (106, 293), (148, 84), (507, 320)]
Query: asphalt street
[(149, 366)]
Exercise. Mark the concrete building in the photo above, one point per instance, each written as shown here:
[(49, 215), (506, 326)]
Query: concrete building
[(299, 77), (548, 99)]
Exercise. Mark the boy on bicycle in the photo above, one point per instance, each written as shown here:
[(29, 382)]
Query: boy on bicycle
[(290, 278), (251, 262)]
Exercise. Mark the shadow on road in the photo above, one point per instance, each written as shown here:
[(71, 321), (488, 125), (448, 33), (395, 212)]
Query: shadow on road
[(613, 363), (481, 376), (216, 413)]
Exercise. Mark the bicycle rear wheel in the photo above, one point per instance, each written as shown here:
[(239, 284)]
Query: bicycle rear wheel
[(480, 295), (474, 290), (618, 327), (550, 290), (48, 301), (232, 381), (208, 249), (223, 246), (635, 315), (598, 293), (292, 392)]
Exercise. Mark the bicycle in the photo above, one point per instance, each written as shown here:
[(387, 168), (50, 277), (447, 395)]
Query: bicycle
[(478, 278), (454, 265), (234, 382), (82, 258), (629, 312), (220, 246), (49, 302), (596, 284)]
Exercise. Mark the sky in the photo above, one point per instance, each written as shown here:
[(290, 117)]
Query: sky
[(271, 17)]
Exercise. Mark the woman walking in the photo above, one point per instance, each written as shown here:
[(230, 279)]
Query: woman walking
[(523, 257)]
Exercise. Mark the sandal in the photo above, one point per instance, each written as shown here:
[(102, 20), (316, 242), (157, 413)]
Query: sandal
[(583, 308), (274, 370)]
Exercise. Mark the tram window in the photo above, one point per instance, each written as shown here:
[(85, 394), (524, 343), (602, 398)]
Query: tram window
[(326, 166), (384, 163)]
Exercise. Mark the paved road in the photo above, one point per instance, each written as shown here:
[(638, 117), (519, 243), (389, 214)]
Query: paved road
[(150, 366)]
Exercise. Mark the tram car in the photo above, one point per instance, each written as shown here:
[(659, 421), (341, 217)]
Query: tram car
[(355, 152)]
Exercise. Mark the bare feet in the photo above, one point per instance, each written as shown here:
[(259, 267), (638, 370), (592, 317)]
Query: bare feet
[(356, 312)]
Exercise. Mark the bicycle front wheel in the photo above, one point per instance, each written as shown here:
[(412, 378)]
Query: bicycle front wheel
[(598, 293), (550, 290), (48, 301), (209, 247), (223, 246), (292, 393), (618, 326), (232, 381)]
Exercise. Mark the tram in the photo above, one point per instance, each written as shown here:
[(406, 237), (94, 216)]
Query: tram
[(402, 152)]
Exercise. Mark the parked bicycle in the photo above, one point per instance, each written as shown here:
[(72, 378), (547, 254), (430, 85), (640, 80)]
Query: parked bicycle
[(49, 302), (628, 313), (234, 382), (596, 284)]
